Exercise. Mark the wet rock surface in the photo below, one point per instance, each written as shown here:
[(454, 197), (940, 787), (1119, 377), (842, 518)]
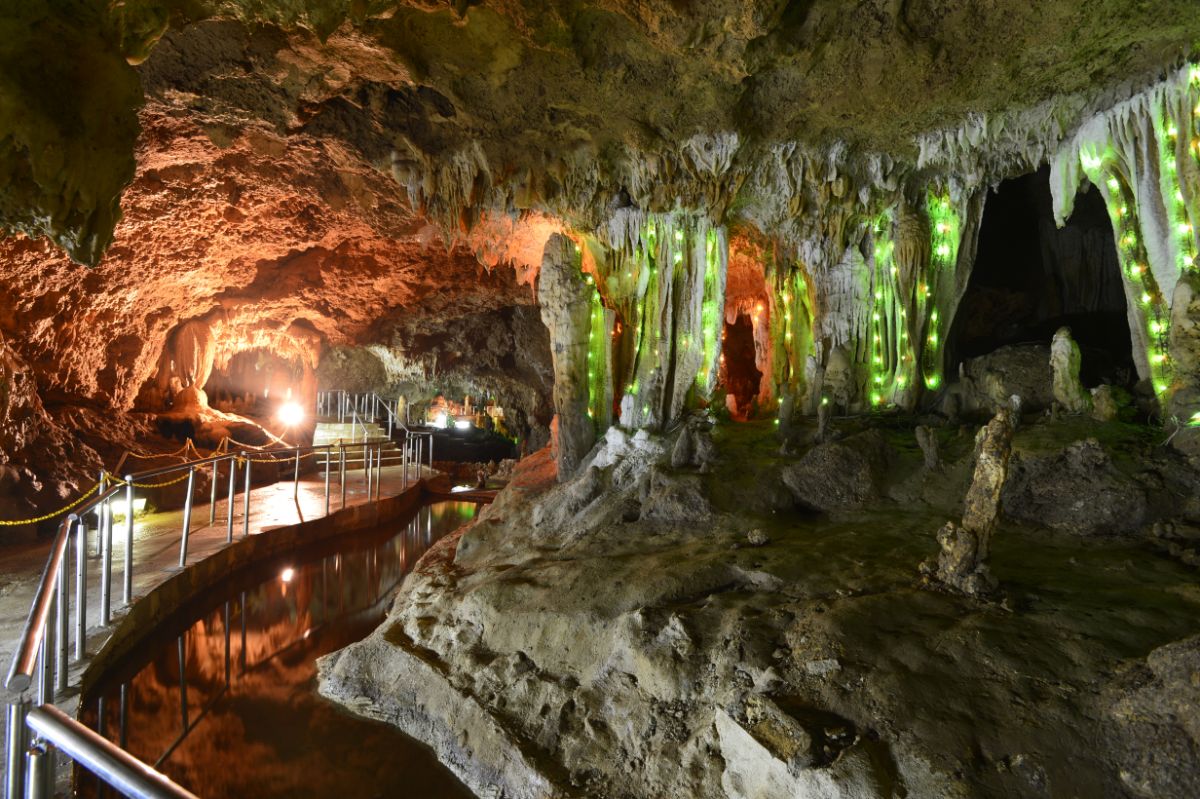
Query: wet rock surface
[(603, 654)]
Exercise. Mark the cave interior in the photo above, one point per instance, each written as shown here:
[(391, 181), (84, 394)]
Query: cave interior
[(803, 398)]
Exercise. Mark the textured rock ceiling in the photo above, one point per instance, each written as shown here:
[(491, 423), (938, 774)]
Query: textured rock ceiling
[(574, 108), (295, 175)]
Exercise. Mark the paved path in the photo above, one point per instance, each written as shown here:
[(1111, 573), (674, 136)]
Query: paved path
[(156, 547)]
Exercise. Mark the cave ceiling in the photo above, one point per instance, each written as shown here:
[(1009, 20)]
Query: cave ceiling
[(336, 165)]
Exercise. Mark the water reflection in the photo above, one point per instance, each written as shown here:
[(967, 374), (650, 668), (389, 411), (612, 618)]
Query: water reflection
[(228, 706)]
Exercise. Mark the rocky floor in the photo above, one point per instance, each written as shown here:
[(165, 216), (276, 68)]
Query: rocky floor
[(757, 626)]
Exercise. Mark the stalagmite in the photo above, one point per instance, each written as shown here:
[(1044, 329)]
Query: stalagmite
[(1069, 392), (565, 299), (962, 563), (927, 440)]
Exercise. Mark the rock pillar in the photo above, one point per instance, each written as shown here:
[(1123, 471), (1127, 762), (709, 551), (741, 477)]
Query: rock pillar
[(565, 299)]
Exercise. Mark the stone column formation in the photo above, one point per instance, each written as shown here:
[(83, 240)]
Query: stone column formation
[(962, 563), (565, 299)]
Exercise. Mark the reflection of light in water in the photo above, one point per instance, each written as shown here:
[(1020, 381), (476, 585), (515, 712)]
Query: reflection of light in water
[(248, 676)]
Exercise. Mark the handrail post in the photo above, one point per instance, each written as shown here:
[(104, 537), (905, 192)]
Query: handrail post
[(80, 588), (232, 499), (404, 464), (246, 501), (105, 533), (328, 458), (187, 518), (342, 469), (212, 500), (296, 477), (38, 772), (128, 576), (62, 618), (45, 671), (100, 513), (14, 748)]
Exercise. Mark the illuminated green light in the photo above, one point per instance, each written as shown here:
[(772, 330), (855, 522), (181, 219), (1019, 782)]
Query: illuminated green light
[(824, 400), (678, 257), (777, 423), (1184, 228), (1113, 184), (1156, 327), (876, 399), (1195, 422), (1195, 75), (1159, 387), (901, 381), (933, 338), (879, 295), (1090, 162), (1122, 211), (1172, 131), (645, 409), (932, 381), (1129, 240), (875, 316), (879, 380), (933, 316), (1157, 358), (1146, 298), (943, 250), (878, 360), (678, 235)]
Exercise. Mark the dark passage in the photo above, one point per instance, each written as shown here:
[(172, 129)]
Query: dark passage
[(1031, 278), (739, 371)]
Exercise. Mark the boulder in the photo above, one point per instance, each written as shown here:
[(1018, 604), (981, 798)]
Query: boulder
[(1076, 490), (840, 475)]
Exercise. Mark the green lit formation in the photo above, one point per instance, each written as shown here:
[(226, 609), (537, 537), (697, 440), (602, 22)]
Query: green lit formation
[(945, 232), (790, 330), (656, 324), (892, 363), (1151, 269)]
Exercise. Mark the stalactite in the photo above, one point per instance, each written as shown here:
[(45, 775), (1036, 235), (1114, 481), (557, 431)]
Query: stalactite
[(1144, 157)]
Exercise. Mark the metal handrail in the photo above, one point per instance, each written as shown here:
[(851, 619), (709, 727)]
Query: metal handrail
[(103, 758), (43, 646), (21, 672)]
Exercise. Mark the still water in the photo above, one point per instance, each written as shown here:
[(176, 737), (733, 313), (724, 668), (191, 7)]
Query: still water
[(225, 703)]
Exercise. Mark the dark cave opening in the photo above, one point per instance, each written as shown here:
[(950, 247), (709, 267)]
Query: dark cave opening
[(253, 382), (739, 372), (1031, 278)]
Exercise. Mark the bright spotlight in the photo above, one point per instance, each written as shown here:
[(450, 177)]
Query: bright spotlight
[(290, 413), (439, 420), (287, 574), (462, 424)]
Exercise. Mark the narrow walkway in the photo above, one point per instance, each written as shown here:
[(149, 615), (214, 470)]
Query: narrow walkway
[(156, 543)]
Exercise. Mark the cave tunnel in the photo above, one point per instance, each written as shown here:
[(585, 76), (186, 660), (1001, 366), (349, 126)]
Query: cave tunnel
[(1030, 278), (254, 382), (739, 372), (599, 399)]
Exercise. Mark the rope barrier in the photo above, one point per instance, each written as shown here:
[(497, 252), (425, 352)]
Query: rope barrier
[(18, 522), (121, 481)]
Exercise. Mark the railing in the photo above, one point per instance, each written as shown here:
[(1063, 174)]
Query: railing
[(369, 407), (44, 646)]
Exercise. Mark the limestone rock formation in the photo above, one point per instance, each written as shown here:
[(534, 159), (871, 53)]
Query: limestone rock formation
[(1069, 393), (962, 562), (839, 475), (565, 299), (1077, 489)]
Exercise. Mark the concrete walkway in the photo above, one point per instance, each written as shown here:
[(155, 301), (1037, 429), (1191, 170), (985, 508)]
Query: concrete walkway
[(156, 545)]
